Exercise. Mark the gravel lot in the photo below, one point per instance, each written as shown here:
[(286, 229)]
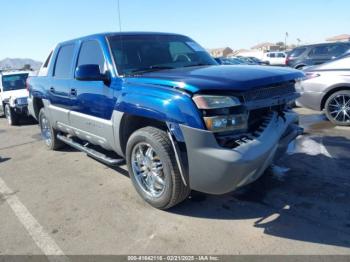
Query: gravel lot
[(66, 202)]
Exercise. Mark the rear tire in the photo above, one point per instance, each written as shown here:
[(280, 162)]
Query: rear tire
[(48, 133), (337, 108), (11, 116), (153, 168)]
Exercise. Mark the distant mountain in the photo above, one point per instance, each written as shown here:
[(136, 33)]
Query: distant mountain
[(18, 63)]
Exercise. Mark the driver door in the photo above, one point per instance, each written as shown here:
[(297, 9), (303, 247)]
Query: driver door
[(91, 117)]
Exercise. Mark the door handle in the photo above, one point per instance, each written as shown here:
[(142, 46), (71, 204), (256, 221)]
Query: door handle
[(73, 92), (52, 89)]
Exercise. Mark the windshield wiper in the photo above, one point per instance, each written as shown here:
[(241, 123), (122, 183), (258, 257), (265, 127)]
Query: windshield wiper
[(150, 69)]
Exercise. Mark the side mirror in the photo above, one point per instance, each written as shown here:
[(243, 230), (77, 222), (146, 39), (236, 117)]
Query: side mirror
[(90, 73)]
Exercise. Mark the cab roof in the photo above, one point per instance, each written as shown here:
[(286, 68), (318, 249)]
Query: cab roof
[(108, 34)]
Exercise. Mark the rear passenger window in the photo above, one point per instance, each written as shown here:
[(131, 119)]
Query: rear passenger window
[(64, 62), (280, 55), (91, 54), (338, 50)]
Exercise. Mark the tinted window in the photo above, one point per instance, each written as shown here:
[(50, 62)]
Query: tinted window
[(338, 50), (91, 54), (135, 54), (297, 52), (272, 55), (280, 55), (64, 62), (319, 51), (14, 82)]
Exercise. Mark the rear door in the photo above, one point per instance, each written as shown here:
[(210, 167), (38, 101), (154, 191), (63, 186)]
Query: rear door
[(321, 54), (91, 117), (61, 98)]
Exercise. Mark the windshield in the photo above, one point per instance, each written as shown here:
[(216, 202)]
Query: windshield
[(14, 82), (135, 54)]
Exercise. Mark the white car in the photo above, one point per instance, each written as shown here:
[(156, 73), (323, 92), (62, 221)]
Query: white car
[(13, 95), (275, 58)]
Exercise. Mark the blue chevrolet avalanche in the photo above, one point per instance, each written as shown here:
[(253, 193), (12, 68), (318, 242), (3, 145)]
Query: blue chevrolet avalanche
[(161, 103)]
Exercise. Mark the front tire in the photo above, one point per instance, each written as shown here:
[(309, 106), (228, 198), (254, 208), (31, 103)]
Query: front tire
[(153, 169), (337, 108), (48, 133), (11, 116)]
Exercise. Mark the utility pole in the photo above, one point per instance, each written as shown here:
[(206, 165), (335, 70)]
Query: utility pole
[(285, 41)]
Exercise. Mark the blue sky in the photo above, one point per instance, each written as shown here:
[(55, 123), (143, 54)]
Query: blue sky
[(29, 28)]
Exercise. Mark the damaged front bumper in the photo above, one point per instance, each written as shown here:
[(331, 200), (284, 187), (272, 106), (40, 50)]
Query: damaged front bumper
[(217, 170)]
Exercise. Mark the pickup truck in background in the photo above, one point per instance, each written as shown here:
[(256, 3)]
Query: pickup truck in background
[(160, 102), (13, 95)]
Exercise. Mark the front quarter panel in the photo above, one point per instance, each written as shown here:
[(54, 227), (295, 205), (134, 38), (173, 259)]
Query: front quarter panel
[(160, 103)]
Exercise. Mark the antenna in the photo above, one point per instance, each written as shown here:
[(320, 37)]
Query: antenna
[(119, 17), (120, 29)]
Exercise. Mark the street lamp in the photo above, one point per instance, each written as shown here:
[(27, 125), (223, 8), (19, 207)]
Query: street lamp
[(285, 41)]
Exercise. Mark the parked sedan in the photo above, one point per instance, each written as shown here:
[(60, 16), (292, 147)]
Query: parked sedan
[(327, 87), (228, 61)]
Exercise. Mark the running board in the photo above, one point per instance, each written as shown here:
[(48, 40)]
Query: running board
[(91, 152)]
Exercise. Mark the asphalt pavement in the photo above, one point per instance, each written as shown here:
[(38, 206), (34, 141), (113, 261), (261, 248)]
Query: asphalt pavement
[(66, 203)]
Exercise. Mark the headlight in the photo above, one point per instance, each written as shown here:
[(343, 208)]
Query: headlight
[(226, 123), (222, 113), (212, 102)]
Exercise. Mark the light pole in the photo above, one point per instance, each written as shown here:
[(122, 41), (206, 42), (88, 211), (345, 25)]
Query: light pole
[(285, 41), (298, 40)]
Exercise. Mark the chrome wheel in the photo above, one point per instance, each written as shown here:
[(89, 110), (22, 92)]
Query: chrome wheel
[(339, 108), (148, 169), (45, 130)]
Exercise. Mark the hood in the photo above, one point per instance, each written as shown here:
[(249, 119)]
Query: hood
[(14, 94), (219, 77)]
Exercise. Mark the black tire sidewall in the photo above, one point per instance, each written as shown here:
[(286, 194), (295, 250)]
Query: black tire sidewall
[(330, 118), (165, 198)]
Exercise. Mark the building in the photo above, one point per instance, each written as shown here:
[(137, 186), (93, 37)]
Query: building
[(266, 47), (220, 52), (339, 38)]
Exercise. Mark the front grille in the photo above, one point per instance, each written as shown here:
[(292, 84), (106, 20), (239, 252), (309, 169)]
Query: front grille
[(256, 117), (269, 92)]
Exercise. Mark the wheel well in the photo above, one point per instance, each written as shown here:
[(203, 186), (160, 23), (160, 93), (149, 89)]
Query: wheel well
[(37, 105), (331, 92), (131, 123), (299, 66)]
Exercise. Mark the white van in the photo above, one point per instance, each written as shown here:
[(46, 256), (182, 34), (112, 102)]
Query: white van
[(275, 58)]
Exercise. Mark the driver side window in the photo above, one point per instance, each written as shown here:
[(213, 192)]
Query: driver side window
[(91, 54)]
